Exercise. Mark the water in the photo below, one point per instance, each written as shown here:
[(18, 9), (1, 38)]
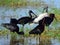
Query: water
[(31, 40)]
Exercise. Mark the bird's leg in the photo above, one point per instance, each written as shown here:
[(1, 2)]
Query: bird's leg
[(56, 19), (23, 28), (39, 39), (48, 28)]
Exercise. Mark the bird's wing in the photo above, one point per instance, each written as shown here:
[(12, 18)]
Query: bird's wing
[(8, 26)]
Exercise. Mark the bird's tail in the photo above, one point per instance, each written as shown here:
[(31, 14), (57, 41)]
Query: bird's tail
[(3, 24), (6, 25)]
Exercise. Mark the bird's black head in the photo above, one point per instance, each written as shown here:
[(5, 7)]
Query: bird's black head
[(52, 15), (13, 21), (31, 12)]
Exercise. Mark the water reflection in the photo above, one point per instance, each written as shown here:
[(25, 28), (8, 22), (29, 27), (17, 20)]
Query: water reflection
[(31, 40), (21, 40), (4, 40), (17, 40)]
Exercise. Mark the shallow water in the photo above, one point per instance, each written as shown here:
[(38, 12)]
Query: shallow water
[(7, 13), (31, 40)]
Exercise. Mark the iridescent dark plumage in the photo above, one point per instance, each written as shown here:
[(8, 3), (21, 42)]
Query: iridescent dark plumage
[(27, 19), (13, 21), (12, 28), (38, 29), (49, 20)]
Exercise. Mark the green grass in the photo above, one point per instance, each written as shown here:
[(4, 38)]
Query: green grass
[(52, 33), (4, 32), (46, 33), (18, 3)]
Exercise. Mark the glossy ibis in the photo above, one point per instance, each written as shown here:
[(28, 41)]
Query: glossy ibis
[(48, 17), (38, 29), (13, 21), (27, 19), (12, 28)]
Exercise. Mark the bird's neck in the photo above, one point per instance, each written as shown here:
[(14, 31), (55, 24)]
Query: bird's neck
[(30, 15)]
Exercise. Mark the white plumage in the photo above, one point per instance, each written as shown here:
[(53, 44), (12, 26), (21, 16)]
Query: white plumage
[(40, 17)]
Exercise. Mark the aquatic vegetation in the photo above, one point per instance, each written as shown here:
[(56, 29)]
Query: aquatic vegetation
[(47, 34), (4, 32), (18, 3), (52, 33)]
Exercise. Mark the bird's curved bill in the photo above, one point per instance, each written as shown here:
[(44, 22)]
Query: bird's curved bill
[(55, 18)]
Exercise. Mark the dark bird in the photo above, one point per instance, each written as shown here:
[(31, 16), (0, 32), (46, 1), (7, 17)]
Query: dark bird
[(12, 28), (48, 17), (41, 16), (13, 21), (38, 29), (49, 20), (27, 19), (46, 21)]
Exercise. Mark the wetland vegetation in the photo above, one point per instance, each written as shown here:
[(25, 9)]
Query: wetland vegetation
[(14, 9)]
